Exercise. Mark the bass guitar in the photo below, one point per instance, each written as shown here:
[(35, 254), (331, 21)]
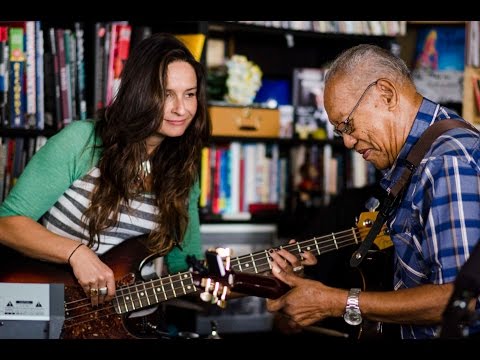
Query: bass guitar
[(113, 320)]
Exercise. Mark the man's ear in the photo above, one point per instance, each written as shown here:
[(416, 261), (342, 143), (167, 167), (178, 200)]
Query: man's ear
[(389, 93)]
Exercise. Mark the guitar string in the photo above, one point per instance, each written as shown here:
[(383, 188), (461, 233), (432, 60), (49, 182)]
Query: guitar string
[(243, 262), (339, 240)]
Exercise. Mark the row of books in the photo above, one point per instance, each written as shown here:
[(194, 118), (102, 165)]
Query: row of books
[(14, 155), (239, 178), (386, 28), (235, 175), (43, 82)]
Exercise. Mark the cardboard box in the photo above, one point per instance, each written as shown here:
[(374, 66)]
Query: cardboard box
[(245, 121)]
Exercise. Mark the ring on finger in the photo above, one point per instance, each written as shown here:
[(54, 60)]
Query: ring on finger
[(93, 292), (297, 269), (103, 291)]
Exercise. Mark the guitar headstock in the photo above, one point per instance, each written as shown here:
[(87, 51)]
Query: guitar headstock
[(215, 278), (365, 222)]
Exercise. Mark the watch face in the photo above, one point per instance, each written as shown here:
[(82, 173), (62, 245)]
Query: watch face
[(352, 317)]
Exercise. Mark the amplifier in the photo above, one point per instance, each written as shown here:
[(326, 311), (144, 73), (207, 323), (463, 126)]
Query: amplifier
[(31, 311)]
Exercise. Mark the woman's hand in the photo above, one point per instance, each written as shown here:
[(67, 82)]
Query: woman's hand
[(95, 277)]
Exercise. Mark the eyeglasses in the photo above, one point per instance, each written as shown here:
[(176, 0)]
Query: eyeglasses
[(346, 126)]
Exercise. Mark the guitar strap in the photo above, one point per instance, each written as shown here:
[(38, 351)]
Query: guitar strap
[(393, 198)]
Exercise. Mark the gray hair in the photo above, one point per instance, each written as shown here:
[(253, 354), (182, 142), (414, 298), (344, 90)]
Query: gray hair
[(367, 63)]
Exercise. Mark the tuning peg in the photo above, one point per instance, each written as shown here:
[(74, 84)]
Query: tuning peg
[(222, 302), (215, 292), (372, 204), (225, 253), (205, 295)]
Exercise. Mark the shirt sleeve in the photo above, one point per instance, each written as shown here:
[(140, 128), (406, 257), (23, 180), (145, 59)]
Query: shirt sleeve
[(64, 158), (191, 245), (449, 206)]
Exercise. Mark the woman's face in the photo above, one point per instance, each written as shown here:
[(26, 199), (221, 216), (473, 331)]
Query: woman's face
[(180, 99)]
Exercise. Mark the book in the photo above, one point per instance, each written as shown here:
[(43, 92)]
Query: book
[(17, 72), (440, 48), (311, 120)]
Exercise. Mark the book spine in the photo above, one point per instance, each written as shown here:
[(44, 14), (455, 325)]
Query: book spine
[(121, 56), (56, 80), (40, 78), (17, 73), (30, 71), (99, 76), (64, 93), (4, 66), (80, 68)]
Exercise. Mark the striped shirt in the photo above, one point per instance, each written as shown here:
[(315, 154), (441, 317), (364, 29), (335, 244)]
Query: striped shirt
[(437, 223), (65, 217), (56, 184)]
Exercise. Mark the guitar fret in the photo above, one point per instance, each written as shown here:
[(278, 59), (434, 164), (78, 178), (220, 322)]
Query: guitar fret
[(355, 235), (163, 290), (155, 292), (239, 265), (146, 293), (181, 282), (191, 285), (129, 298), (173, 288), (118, 302), (138, 296), (316, 244), (253, 262), (268, 259), (299, 248), (335, 240)]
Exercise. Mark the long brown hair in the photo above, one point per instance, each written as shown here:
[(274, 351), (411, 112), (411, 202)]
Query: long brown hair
[(135, 113)]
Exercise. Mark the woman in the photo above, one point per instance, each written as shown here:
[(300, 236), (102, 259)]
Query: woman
[(131, 171)]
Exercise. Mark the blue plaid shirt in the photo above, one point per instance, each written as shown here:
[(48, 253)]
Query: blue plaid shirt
[(437, 223)]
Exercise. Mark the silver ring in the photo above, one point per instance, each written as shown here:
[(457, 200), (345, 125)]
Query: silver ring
[(103, 291), (297, 268)]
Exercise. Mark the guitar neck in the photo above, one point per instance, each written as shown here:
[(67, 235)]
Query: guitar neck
[(260, 262), (148, 293)]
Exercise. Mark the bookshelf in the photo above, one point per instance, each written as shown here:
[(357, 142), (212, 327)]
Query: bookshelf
[(277, 47), (278, 52)]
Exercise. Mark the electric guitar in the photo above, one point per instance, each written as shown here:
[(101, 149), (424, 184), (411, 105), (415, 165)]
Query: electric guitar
[(113, 320)]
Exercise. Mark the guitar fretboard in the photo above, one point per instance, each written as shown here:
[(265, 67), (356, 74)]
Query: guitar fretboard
[(148, 293), (260, 262)]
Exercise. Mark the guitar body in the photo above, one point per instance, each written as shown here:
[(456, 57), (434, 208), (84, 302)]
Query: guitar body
[(82, 321), (373, 274)]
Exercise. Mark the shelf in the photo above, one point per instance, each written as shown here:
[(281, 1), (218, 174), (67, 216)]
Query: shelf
[(280, 141), (8, 132), (226, 27)]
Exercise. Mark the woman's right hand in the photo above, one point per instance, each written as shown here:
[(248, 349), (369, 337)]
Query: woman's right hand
[(94, 276)]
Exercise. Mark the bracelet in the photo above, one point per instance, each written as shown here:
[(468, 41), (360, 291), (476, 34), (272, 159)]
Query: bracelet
[(73, 252)]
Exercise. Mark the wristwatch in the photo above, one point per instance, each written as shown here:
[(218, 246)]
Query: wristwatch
[(352, 315)]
